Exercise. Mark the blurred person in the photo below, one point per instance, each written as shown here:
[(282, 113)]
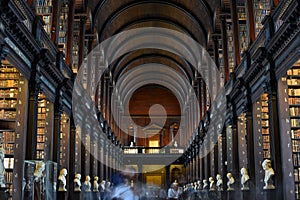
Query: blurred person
[(123, 190), (174, 192)]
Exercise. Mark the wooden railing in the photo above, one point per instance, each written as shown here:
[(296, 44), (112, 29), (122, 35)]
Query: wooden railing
[(152, 150)]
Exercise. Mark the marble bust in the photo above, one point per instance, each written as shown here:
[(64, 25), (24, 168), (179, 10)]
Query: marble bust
[(219, 182), (269, 173), (39, 170), (212, 184), (96, 185), (87, 184), (39, 180), (77, 183), (205, 185), (230, 182), (245, 178), (62, 179)]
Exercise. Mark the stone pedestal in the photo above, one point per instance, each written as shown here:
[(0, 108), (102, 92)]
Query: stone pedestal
[(96, 195), (77, 195), (247, 195), (270, 194), (62, 195), (231, 195)]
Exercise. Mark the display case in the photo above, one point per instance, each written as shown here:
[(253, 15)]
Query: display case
[(40, 179), (261, 9), (293, 82), (44, 9)]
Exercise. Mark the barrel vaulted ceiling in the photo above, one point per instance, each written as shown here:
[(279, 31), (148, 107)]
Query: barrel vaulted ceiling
[(196, 18)]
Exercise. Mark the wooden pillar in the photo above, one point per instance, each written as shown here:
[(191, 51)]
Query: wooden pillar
[(225, 48), (72, 170), (81, 40), (216, 50), (250, 21), (235, 142), (70, 32), (34, 89), (207, 167), (271, 88), (55, 21), (249, 139), (235, 28), (56, 131)]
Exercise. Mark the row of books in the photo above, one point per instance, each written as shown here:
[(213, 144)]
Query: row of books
[(7, 137), (296, 159)]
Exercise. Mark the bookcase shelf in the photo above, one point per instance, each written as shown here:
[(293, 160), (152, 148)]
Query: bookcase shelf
[(261, 9), (230, 47), (264, 125), (9, 82), (293, 82), (243, 32), (41, 126), (63, 26), (44, 9)]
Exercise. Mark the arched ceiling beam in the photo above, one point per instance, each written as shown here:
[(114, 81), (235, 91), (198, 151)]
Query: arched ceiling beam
[(125, 66), (118, 12), (181, 27), (174, 43), (204, 3)]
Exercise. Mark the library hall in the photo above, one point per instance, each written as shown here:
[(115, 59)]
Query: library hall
[(149, 100)]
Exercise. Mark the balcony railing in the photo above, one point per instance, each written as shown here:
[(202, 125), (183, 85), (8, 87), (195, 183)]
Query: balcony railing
[(152, 150)]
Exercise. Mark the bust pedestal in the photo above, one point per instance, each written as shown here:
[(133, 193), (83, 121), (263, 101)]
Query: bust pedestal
[(4, 194), (231, 194), (270, 193), (77, 195), (247, 195), (62, 195), (96, 195)]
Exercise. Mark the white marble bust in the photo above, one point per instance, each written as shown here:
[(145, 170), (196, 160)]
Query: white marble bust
[(245, 178), (77, 183), (39, 170), (205, 184), (230, 182), (96, 185), (87, 184), (211, 184), (219, 182), (62, 179), (269, 173)]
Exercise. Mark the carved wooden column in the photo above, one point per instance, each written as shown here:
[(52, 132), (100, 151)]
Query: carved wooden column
[(34, 88), (72, 170), (224, 45), (70, 32), (55, 21), (58, 109), (224, 157), (271, 89), (250, 21), (81, 40), (235, 27)]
